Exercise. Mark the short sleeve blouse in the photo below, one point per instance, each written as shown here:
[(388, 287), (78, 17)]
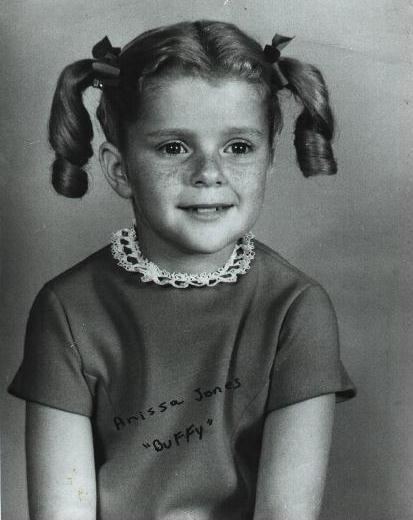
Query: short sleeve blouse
[(51, 372), (178, 382), (307, 363)]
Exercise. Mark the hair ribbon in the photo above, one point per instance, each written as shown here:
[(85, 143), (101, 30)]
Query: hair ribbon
[(272, 54), (106, 66)]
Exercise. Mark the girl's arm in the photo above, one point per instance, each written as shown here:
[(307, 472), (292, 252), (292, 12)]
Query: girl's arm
[(294, 458), (60, 465)]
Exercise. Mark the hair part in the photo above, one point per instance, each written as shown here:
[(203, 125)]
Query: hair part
[(206, 49)]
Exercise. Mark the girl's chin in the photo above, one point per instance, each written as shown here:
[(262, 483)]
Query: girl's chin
[(210, 243), (203, 259)]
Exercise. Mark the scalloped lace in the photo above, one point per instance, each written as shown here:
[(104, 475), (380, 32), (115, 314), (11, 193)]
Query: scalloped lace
[(125, 249)]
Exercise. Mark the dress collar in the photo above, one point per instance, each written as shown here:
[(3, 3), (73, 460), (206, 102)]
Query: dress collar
[(125, 249)]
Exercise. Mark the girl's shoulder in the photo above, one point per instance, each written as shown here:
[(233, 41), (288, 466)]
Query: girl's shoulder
[(96, 270), (274, 266), (100, 277), (286, 287), (101, 267)]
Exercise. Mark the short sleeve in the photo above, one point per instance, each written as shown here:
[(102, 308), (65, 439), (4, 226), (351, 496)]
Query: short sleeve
[(51, 371), (307, 362)]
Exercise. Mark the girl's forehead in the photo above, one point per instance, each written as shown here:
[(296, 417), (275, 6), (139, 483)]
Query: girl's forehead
[(197, 102)]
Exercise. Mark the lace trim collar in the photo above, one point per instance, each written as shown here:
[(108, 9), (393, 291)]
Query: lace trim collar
[(125, 249)]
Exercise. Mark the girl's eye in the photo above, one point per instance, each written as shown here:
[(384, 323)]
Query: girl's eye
[(173, 148), (238, 148)]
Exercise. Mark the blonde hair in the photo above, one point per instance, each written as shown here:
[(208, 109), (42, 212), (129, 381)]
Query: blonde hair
[(209, 49)]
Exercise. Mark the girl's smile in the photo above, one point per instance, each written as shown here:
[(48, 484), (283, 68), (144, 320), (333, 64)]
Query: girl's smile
[(196, 163), (207, 211)]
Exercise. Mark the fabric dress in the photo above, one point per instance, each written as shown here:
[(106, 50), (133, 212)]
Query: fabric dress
[(178, 382)]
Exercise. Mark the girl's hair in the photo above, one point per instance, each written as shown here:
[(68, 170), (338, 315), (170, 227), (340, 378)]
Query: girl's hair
[(207, 49)]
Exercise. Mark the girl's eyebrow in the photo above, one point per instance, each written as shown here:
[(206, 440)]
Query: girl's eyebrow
[(239, 130), (166, 132), (245, 130)]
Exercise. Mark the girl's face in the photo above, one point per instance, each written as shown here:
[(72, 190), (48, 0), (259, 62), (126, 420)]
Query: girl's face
[(196, 163)]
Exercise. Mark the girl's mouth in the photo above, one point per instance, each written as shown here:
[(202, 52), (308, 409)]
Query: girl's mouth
[(207, 211), (206, 208)]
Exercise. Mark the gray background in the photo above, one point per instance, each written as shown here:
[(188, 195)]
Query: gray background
[(351, 232)]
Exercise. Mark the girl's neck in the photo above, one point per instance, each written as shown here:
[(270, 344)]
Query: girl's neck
[(170, 258)]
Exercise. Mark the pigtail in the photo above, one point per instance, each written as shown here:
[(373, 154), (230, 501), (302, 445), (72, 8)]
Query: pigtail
[(70, 130), (315, 125)]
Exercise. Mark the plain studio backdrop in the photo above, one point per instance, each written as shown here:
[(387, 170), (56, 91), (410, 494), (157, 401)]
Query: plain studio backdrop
[(352, 232)]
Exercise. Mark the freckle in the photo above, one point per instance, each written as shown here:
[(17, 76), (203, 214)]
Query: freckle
[(81, 494)]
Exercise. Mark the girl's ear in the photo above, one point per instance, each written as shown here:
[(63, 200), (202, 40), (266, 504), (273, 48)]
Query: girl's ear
[(114, 170)]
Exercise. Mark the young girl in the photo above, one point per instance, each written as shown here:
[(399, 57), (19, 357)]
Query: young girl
[(187, 371)]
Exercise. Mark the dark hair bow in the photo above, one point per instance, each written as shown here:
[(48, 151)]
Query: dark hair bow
[(106, 66), (272, 54)]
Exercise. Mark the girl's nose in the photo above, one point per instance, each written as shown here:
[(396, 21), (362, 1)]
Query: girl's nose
[(208, 172)]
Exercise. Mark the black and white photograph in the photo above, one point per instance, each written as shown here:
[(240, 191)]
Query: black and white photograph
[(206, 260)]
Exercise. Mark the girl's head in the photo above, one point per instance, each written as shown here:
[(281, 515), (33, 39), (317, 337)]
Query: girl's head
[(190, 122)]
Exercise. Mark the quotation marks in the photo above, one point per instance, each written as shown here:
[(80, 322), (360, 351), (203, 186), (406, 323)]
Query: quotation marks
[(180, 438)]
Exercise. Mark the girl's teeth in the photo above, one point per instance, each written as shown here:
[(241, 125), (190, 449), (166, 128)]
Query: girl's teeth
[(206, 210)]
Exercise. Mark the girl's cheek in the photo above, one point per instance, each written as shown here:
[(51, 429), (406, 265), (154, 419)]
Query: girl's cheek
[(173, 169), (155, 174), (249, 175)]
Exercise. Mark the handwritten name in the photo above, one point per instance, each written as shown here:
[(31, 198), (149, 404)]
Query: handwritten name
[(179, 438), (230, 385), (199, 394), (149, 412)]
